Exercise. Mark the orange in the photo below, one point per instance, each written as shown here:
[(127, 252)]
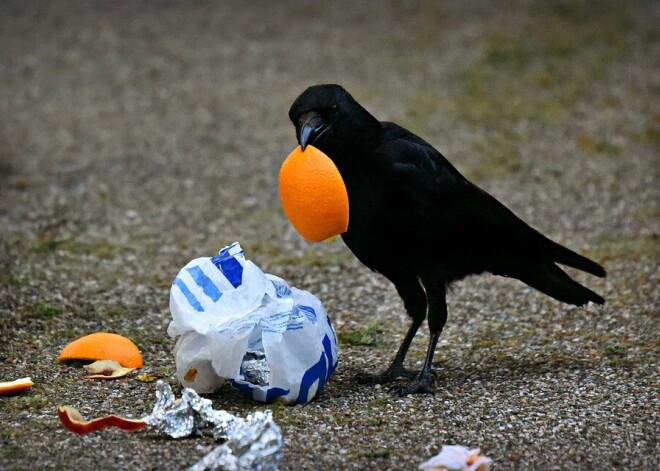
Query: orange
[(313, 194), (14, 387), (103, 346)]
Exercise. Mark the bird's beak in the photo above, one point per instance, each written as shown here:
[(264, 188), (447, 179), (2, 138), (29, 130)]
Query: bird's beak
[(312, 128)]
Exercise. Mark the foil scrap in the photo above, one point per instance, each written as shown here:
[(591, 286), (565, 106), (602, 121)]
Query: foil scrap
[(220, 458), (254, 443), (254, 367), (186, 416)]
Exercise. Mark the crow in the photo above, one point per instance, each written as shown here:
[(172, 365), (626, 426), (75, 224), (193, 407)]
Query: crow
[(417, 221)]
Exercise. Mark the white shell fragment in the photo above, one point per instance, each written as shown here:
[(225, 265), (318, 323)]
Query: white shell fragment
[(457, 458), (106, 369)]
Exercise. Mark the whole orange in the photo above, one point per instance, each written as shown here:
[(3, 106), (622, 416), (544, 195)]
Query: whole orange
[(313, 194)]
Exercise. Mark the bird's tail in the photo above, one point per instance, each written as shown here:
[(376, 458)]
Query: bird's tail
[(560, 254), (553, 281)]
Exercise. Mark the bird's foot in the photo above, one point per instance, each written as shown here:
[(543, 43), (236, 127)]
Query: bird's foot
[(422, 386), (387, 376)]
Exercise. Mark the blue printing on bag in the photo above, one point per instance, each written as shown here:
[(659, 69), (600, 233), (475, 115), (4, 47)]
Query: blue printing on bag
[(320, 372), (282, 290), (294, 326), (228, 265), (335, 337), (204, 282), (248, 390), (226, 262), (192, 300), (309, 312)]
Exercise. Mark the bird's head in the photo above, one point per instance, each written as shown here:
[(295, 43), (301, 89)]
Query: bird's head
[(327, 117)]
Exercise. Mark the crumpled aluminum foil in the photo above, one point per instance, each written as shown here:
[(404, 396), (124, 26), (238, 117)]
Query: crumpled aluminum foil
[(254, 367), (254, 443), (188, 415)]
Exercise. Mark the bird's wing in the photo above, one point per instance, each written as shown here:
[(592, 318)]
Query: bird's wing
[(438, 199)]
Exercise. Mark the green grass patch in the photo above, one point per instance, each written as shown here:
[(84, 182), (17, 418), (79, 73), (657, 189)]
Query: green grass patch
[(499, 157), (261, 248), (285, 415), (116, 312), (626, 248), (422, 106), (505, 359), (651, 132), (377, 453), (369, 336), (46, 242), (41, 310), (616, 354), (506, 50), (314, 259), (10, 279), (589, 144), (538, 69), (484, 344), (10, 451), (36, 402)]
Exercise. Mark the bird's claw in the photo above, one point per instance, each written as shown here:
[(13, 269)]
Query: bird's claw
[(423, 386), (387, 376)]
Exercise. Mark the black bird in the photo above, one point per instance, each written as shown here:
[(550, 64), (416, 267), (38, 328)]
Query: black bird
[(416, 220)]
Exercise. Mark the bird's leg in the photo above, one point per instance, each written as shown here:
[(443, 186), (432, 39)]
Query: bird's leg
[(424, 382), (414, 300), (396, 369), (436, 293)]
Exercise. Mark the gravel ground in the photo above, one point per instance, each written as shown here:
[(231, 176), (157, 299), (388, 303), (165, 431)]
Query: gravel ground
[(137, 136)]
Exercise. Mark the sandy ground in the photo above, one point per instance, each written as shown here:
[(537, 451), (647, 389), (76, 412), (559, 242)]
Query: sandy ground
[(137, 136)]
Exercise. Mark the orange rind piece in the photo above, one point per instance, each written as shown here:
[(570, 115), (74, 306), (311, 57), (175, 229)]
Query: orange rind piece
[(14, 387), (103, 346), (313, 194), (73, 421)]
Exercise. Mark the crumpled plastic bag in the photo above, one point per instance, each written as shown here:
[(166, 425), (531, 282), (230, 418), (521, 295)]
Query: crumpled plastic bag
[(240, 325)]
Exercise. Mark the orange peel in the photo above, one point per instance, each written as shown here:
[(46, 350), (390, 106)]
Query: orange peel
[(313, 194), (73, 421), (103, 346), (14, 387)]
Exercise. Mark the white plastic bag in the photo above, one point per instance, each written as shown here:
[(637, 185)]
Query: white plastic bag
[(236, 323)]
